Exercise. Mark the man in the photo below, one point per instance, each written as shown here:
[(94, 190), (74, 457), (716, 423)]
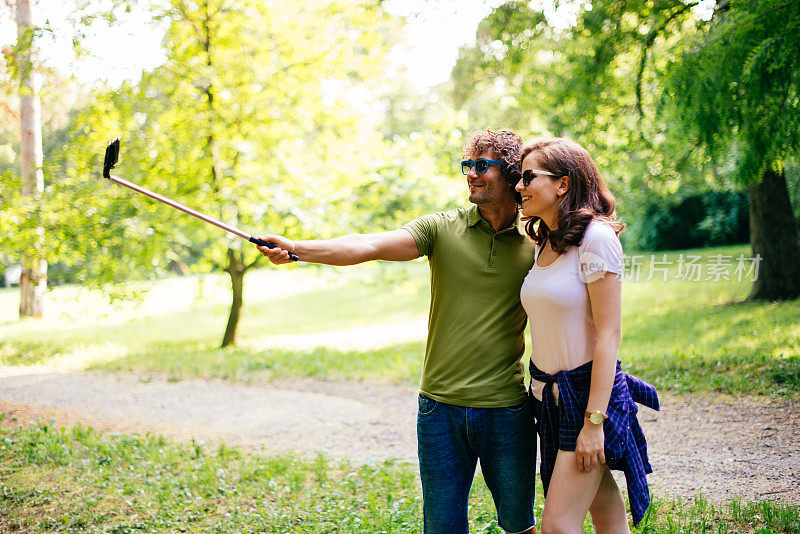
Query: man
[(472, 400)]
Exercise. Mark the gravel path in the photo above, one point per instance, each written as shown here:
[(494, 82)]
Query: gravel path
[(718, 445)]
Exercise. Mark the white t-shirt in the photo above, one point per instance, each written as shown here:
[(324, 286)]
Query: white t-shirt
[(563, 335)]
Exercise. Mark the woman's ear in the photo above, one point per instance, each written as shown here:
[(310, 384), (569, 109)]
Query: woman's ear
[(563, 186)]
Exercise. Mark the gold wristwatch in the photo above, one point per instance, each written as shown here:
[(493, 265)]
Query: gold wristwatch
[(596, 417)]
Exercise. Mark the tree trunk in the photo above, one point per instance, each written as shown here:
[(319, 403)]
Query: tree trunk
[(236, 267), (33, 280), (773, 235), (236, 270)]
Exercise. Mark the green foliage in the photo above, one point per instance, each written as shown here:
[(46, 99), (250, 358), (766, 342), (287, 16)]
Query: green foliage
[(268, 124), (669, 105), (251, 101), (735, 87), (707, 219), (793, 185), (597, 82), (21, 216), (223, 124)]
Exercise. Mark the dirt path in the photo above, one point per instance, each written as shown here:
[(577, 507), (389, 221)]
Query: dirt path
[(721, 446)]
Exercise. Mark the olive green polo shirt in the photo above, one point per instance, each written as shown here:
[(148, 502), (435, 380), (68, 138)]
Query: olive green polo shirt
[(477, 323)]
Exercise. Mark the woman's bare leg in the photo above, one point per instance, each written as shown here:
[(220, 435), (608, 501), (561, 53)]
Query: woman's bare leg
[(569, 496), (608, 508)]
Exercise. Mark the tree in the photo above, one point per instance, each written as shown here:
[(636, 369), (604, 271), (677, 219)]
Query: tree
[(33, 280), (246, 106), (664, 100), (735, 87), (24, 149), (596, 81)]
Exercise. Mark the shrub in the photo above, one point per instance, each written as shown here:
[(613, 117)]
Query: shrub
[(707, 219)]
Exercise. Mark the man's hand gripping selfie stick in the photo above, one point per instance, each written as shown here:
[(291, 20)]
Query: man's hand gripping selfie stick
[(112, 156)]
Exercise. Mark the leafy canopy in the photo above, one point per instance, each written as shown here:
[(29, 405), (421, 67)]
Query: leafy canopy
[(736, 87), (230, 125)]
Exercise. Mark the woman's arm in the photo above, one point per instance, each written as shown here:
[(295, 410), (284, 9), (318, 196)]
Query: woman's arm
[(605, 298)]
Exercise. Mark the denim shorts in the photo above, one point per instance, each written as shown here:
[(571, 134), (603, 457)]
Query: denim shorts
[(451, 439)]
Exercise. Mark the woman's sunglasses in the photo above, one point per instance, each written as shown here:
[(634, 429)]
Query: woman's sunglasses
[(481, 165), (530, 174)]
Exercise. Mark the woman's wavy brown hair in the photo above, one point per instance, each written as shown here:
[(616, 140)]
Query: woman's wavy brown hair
[(587, 198)]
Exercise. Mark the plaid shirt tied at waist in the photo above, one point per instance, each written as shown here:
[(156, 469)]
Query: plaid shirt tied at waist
[(625, 446)]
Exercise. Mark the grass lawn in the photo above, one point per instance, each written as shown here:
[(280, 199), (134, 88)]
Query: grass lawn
[(79, 480), (192, 311), (684, 336)]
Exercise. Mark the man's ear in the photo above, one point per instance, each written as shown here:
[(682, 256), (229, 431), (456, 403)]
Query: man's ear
[(563, 185)]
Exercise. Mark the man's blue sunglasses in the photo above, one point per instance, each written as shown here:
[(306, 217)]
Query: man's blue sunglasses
[(481, 165)]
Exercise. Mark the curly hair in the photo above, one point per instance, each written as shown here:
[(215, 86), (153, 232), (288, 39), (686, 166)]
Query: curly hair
[(587, 198), (506, 147)]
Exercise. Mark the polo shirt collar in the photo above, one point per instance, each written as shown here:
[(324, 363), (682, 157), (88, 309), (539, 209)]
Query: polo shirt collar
[(474, 217)]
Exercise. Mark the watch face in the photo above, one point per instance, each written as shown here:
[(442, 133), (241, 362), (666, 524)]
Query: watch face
[(596, 418)]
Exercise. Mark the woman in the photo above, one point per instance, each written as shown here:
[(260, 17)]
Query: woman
[(572, 296)]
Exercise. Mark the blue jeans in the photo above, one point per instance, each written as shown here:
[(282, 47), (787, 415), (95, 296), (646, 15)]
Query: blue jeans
[(451, 439)]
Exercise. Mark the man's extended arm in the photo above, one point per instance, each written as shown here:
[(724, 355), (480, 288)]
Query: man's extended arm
[(395, 245)]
